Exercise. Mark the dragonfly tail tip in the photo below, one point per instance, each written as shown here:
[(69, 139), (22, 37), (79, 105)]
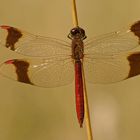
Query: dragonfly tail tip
[(81, 125), (9, 61), (5, 27)]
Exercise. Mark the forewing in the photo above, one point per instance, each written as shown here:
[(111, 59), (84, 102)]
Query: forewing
[(39, 72), (116, 42), (32, 45), (109, 69)]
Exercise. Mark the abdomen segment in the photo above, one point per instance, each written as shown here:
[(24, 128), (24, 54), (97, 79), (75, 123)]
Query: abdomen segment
[(79, 92)]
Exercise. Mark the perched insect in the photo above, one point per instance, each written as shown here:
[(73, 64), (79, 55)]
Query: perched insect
[(105, 59)]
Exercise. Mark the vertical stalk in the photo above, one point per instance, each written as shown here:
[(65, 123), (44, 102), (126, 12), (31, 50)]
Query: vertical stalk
[(86, 107), (74, 13)]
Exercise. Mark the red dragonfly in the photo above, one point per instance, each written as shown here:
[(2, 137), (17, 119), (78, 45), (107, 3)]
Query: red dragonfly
[(106, 59)]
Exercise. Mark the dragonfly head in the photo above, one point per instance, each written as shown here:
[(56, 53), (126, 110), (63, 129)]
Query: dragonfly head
[(77, 32)]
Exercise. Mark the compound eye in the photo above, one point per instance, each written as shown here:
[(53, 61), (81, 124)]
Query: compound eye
[(75, 31), (83, 31)]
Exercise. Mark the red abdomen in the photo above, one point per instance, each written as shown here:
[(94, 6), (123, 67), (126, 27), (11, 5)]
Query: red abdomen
[(79, 92)]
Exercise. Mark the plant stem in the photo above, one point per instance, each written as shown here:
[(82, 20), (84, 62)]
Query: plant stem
[(86, 106), (74, 13)]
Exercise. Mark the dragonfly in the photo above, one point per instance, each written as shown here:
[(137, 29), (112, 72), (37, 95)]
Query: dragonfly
[(52, 62)]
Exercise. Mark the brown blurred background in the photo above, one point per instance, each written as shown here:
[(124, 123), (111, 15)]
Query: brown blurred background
[(32, 113)]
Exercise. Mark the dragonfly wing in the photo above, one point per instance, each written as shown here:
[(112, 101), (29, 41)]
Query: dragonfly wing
[(32, 45), (110, 69), (116, 42), (39, 72)]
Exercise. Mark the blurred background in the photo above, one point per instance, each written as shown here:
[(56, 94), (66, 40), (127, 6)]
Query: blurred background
[(33, 113)]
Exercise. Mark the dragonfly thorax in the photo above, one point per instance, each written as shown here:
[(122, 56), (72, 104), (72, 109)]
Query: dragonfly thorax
[(77, 49)]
